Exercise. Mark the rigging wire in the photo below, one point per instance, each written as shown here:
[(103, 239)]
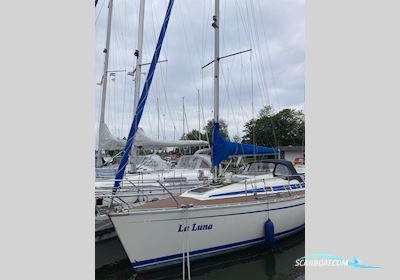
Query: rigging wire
[(273, 78), (207, 16), (190, 50), (164, 77), (98, 15), (254, 35), (248, 18), (227, 83), (252, 105), (186, 122), (202, 109), (114, 99)]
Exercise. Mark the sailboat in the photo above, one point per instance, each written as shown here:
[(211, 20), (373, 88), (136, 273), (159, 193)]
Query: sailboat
[(107, 141), (264, 203), (151, 178), (145, 172), (149, 163)]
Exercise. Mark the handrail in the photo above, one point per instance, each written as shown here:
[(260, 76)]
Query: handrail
[(158, 187), (245, 186), (123, 201), (132, 180), (153, 185), (177, 204), (287, 187), (112, 200)]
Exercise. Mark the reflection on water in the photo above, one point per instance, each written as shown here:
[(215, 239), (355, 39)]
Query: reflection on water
[(254, 263)]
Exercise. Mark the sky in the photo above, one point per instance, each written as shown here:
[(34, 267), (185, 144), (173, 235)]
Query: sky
[(272, 73)]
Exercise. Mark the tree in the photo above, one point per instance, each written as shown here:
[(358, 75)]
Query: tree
[(260, 130), (289, 127), (275, 129), (223, 129), (236, 138), (194, 135)]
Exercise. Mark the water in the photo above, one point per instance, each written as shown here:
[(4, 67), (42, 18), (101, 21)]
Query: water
[(253, 263)]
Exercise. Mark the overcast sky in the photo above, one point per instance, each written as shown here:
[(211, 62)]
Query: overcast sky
[(273, 72)]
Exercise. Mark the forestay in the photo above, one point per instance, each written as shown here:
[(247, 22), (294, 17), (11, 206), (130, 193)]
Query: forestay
[(142, 100)]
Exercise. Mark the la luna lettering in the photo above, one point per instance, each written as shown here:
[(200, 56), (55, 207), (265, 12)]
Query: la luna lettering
[(195, 227)]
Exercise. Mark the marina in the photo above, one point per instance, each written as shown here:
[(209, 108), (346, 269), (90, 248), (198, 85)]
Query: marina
[(205, 199), (184, 125)]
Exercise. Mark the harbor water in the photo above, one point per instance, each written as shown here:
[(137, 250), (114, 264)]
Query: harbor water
[(257, 262)]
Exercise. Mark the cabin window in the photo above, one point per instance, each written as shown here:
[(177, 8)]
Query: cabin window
[(260, 167), (282, 170)]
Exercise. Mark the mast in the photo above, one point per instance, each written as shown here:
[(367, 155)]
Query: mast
[(216, 70), (183, 122), (138, 53), (252, 104), (158, 120), (105, 80), (198, 111), (183, 117), (138, 74)]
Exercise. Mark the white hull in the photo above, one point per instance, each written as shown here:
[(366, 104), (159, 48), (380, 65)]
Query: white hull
[(145, 189), (155, 237)]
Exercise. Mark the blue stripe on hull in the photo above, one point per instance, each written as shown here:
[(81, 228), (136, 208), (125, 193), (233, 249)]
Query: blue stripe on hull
[(239, 192), (212, 249)]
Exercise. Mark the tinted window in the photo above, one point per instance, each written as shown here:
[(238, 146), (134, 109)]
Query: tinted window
[(260, 167), (281, 170)]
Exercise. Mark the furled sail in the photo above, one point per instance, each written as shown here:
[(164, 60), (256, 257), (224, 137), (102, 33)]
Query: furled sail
[(142, 100), (110, 142), (222, 149), (145, 142)]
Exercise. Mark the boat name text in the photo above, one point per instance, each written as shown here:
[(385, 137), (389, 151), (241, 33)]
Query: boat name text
[(194, 227)]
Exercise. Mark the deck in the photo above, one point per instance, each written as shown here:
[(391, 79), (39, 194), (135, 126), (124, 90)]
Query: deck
[(171, 203)]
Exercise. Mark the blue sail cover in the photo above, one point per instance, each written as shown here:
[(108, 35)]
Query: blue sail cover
[(142, 100), (222, 149)]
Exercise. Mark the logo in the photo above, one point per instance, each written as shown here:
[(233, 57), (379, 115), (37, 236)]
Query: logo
[(321, 259)]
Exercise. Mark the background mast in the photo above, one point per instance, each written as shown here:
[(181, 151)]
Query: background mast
[(138, 75), (216, 70), (99, 162)]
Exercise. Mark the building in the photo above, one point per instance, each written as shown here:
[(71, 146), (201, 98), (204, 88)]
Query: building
[(290, 153)]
